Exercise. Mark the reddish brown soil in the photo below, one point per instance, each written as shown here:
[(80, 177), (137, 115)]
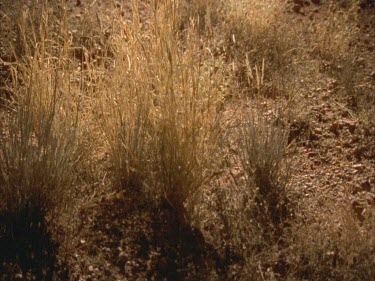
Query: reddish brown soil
[(121, 237)]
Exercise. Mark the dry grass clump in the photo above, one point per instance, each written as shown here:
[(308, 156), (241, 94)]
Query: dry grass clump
[(267, 210), (254, 215), (39, 148), (160, 109), (264, 140), (38, 141), (125, 110), (39, 136), (149, 92)]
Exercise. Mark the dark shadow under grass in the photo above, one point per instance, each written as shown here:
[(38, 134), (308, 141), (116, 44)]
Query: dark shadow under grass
[(184, 247), (27, 250), (145, 243)]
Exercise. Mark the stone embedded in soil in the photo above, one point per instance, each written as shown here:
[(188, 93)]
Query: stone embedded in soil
[(358, 167), (312, 154), (318, 131), (352, 125)]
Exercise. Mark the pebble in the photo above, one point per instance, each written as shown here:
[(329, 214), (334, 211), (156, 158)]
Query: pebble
[(358, 167), (318, 131), (350, 124)]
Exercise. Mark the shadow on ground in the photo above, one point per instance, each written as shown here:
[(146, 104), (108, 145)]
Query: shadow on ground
[(124, 238), (27, 249)]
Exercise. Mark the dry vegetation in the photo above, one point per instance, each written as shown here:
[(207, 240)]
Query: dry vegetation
[(187, 139)]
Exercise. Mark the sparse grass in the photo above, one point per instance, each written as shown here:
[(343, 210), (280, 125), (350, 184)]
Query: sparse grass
[(251, 28), (331, 35), (264, 141), (325, 248), (206, 14), (152, 90), (257, 218)]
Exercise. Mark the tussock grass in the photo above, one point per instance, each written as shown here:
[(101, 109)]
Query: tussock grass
[(163, 122), (263, 150), (38, 142), (39, 135), (150, 90), (39, 149)]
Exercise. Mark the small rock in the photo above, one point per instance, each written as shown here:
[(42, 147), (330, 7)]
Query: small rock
[(330, 115), (361, 61), (350, 124), (311, 154), (236, 172), (318, 131), (358, 167), (333, 84)]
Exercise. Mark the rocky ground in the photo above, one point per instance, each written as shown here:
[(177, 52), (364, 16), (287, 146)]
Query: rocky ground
[(117, 236)]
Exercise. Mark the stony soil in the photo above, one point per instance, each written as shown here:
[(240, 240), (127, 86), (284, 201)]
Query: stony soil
[(119, 237)]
